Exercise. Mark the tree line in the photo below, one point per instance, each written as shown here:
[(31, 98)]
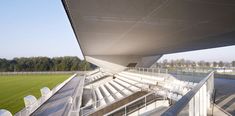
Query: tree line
[(190, 63), (67, 63)]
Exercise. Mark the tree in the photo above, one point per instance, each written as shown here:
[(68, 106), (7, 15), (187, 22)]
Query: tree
[(172, 64), (207, 64), (233, 63), (165, 63), (215, 64), (182, 62), (187, 63), (201, 63), (221, 64), (84, 66), (4, 65), (66, 63), (194, 64)]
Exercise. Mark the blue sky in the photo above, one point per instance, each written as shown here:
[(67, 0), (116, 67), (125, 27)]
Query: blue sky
[(215, 54), (41, 28), (35, 28)]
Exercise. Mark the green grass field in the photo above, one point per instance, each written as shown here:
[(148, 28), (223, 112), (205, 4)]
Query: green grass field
[(14, 87)]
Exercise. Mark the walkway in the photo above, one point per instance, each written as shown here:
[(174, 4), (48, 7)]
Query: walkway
[(57, 104)]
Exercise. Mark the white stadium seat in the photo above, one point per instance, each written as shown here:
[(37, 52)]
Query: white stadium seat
[(124, 90), (114, 91), (127, 85), (100, 100), (107, 94)]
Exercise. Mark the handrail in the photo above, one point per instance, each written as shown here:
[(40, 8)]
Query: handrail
[(179, 105), (142, 69), (150, 71), (140, 98), (73, 106), (149, 77), (106, 98)]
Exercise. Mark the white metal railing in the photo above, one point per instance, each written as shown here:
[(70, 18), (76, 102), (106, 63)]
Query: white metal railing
[(30, 109), (89, 77), (94, 104), (196, 102), (93, 71), (152, 72), (148, 71), (137, 104), (198, 99), (74, 108)]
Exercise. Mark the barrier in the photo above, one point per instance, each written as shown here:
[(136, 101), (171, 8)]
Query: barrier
[(196, 102), (31, 103), (4, 112)]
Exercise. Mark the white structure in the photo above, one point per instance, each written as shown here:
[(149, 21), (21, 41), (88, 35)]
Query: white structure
[(123, 33), (131, 81), (45, 92), (4, 112), (118, 34), (30, 101), (115, 35), (223, 70)]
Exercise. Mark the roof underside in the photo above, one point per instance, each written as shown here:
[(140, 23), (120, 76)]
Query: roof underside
[(151, 27)]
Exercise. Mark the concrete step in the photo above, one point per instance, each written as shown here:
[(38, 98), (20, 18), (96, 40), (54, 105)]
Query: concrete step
[(107, 95), (132, 82), (100, 100), (127, 85), (117, 104), (114, 91), (121, 89)]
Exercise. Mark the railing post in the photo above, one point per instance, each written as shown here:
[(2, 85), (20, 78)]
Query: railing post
[(192, 107), (210, 88), (201, 101), (145, 103), (204, 101), (155, 103), (196, 113), (125, 110), (94, 96), (152, 71)]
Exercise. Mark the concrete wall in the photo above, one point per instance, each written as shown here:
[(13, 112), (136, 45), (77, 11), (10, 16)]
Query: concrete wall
[(118, 63)]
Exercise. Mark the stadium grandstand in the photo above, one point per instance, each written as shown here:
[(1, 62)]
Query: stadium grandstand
[(124, 38)]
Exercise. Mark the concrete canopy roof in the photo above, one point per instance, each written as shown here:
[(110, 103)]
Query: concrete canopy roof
[(151, 27)]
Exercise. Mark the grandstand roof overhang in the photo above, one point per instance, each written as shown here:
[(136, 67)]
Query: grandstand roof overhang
[(150, 27)]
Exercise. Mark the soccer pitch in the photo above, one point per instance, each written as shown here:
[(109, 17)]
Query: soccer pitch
[(13, 88)]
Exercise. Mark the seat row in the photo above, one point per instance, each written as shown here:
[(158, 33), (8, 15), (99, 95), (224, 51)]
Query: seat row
[(96, 76), (94, 71), (169, 94), (113, 91), (177, 88), (137, 78)]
